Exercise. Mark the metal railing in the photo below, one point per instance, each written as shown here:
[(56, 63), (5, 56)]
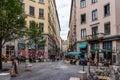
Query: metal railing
[(95, 36)]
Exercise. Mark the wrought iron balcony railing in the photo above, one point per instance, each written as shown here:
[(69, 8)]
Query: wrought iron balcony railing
[(95, 36)]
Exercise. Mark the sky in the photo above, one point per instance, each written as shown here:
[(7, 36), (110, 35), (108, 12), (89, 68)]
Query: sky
[(63, 9)]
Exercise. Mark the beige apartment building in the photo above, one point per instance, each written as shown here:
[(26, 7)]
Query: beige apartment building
[(96, 26), (45, 14)]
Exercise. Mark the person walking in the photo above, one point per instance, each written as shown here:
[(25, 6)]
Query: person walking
[(15, 64), (14, 67), (88, 64)]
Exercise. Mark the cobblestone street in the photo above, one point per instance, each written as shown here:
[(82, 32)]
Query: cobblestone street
[(48, 71)]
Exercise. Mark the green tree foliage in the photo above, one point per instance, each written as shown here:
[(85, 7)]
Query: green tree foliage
[(35, 35), (12, 22)]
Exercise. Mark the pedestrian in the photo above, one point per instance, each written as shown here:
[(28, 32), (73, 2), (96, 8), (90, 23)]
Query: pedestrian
[(19, 58), (88, 61), (82, 61), (105, 62), (15, 65)]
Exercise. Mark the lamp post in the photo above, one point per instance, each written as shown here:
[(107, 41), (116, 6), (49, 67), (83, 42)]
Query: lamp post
[(83, 66)]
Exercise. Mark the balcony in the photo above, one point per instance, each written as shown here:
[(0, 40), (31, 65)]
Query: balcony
[(98, 36)]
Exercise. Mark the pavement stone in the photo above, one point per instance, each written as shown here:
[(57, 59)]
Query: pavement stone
[(48, 71), (4, 76)]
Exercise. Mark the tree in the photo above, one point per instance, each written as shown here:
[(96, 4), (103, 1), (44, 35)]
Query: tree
[(12, 22), (35, 36)]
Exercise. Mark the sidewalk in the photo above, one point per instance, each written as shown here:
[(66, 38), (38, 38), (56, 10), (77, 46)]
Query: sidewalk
[(4, 76)]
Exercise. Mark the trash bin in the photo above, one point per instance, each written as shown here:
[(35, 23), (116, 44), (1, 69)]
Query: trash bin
[(28, 67), (12, 72)]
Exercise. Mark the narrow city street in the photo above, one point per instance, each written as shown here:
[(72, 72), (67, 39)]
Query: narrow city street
[(49, 71)]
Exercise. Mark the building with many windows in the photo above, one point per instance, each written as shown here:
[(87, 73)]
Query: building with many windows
[(45, 14), (72, 37), (96, 24)]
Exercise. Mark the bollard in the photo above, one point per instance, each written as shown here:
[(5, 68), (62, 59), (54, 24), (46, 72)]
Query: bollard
[(14, 68), (12, 72), (28, 66), (83, 75)]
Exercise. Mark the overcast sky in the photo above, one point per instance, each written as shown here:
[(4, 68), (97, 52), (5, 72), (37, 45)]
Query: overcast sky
[(63, 9)]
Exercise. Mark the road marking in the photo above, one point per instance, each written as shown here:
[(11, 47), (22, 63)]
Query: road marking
[(62, 67), (2, 74), (74, 78)]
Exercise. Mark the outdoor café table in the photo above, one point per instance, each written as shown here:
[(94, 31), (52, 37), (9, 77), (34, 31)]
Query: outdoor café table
[(104, 78)]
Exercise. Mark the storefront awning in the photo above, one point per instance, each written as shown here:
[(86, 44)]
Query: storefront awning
[(83, 46), (100, 51), (106, 50), (93, 51), (74, 53)]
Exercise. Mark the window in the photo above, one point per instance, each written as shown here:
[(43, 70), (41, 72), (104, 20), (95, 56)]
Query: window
[(94, 15), (32, 11), (107, 28), (94, 45), (82, 3), (83, 18), (41, 25), (41, 1), (94, 31), (107, 45), (83, 33), (94, 1), (41, 13), (107, 9)]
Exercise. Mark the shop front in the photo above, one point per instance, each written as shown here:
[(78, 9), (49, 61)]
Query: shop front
[(107, 51), (95, 47), (9, 51), (94, 52), (83, 50), (21, 49)]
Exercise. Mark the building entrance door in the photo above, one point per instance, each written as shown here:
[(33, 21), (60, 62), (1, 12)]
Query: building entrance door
[(9, 51)]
